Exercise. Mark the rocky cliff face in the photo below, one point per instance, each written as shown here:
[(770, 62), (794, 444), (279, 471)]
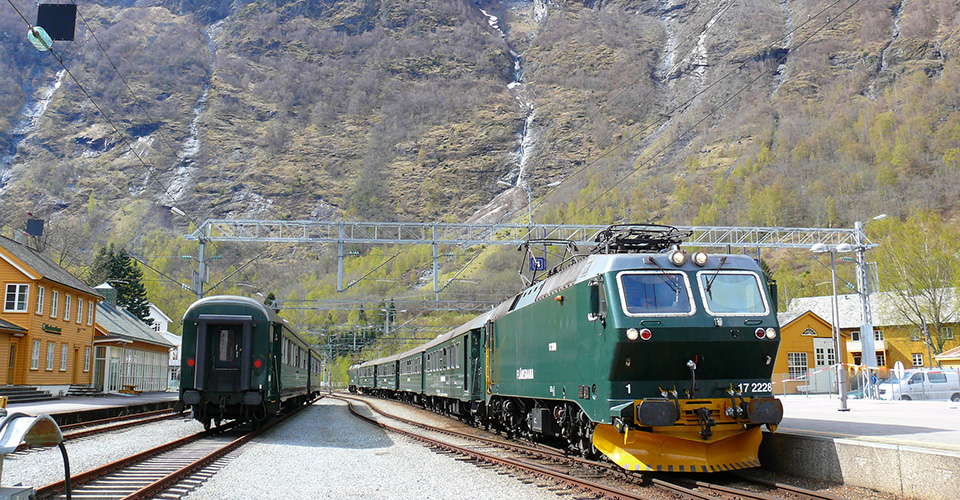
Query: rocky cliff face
[(767, 112)]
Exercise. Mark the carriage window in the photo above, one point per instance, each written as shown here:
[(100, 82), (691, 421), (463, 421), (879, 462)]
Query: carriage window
[(731, 292), (227, 350), (656, 293)]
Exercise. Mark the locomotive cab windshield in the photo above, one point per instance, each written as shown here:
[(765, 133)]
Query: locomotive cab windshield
[(732, 293)]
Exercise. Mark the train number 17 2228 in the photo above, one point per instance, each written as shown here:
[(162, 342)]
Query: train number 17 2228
[(755, 387)]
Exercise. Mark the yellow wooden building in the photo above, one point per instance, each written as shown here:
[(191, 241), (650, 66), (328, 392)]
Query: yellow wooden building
[(804, 330), (46, 323)]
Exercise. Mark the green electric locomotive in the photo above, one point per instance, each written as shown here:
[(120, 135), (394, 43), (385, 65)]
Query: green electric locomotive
[(240, 361), (658, 359)]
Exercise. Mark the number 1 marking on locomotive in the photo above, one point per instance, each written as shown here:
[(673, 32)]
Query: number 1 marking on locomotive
[(628, 389)]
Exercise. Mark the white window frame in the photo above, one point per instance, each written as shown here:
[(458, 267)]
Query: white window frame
[(79, 310), (86, 359), (795, 361), (66, 307), (54, 303), (90, 306), (917, 356), (41, 291), (946, 333), (21, 297), (35, 356), (51, 352), (63, 357)]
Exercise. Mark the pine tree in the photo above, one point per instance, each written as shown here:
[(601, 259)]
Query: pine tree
[(121, 271)]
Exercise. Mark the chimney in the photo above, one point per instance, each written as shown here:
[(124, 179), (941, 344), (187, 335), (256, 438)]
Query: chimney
[(109, 293)]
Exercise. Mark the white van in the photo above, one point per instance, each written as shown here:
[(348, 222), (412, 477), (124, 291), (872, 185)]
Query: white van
[(937, 385)]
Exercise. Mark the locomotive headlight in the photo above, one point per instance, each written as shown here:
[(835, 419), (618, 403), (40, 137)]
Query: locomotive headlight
[(677, 257), (760, 333), (700, 258), (771, 333), (633, 334)]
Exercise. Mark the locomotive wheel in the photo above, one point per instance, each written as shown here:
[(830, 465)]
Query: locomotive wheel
[(206, 423)]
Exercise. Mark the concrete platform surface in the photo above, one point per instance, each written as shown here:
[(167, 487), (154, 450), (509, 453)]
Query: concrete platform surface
[(94, 406), (922, 424)]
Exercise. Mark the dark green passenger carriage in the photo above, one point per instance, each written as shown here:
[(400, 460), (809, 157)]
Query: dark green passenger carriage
[(241, 361)]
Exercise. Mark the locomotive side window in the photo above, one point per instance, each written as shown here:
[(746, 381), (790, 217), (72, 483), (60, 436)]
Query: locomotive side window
[(655, 294), (732, 292)]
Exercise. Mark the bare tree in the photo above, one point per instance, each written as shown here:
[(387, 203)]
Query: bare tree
[(919, 266)]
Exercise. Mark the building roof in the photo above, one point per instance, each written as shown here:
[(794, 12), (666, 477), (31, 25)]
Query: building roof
[(159, 312), (882, 308), (173, 338), (41, 264), (952, 354), (6, 326), (119, 323)]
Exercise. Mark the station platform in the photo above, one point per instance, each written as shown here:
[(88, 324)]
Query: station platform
[(74, 409), (908, 448)]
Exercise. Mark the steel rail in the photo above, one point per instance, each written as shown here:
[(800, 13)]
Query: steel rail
[(791, 491), (120, 418), (513, 446), (525, 467)]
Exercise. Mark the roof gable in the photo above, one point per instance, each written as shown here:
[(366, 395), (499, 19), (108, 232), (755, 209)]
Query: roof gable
[(37, 266)]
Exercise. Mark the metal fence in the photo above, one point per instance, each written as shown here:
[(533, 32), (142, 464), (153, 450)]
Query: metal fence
[(880, 383)]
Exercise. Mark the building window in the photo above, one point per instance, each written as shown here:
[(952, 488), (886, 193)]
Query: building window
[(809, 332), (51, 347), (86, 359), (881, 359), (79, 310), (40, 292), (63, 357), (66, 307), (917, 359), (16, 298), (35, 358), (54, 303), (877, 335), (90, 312), (916, 335), (946, 333), (797, 364)]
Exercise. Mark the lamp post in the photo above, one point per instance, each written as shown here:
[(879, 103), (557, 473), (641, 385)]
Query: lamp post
[(869, 350), (835, 330)]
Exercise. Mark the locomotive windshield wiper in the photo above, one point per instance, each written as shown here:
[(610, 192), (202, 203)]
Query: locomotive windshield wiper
[(664, 275), (723, 260)]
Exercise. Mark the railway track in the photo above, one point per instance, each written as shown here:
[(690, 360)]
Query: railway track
[(596, 478), (94, 427), (172, 469)]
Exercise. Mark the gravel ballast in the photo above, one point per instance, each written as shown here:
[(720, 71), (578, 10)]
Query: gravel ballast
[(324, 452)]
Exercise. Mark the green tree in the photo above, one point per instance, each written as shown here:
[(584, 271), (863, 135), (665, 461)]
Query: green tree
[(919, 266), (121, 271)]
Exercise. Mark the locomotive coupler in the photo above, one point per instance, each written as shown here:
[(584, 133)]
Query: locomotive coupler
[(706, 422)]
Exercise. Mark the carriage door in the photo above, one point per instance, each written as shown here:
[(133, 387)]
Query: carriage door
[(227, 352)]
